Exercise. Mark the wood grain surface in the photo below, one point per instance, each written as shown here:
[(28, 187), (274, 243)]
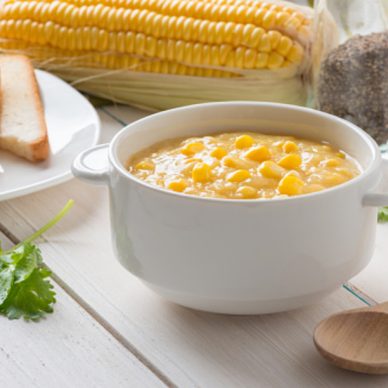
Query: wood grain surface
[(69, 348)]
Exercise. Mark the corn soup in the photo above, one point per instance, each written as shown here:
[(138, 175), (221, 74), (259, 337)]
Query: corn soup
[(243, 166)]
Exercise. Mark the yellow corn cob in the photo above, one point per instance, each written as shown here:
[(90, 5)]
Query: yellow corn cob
[(153, 30)]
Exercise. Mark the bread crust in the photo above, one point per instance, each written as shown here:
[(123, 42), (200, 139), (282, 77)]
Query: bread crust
[(39, 149)]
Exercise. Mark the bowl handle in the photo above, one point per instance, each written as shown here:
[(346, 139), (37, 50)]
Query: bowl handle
[(91, 165), (377, 199)]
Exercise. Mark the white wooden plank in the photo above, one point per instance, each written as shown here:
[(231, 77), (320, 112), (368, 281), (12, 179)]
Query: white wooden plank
[(373, 279), (191, 348), (66, 349), (109, 125), (125, 114)]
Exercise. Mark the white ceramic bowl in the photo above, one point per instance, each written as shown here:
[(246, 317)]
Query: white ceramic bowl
[(240, 256)]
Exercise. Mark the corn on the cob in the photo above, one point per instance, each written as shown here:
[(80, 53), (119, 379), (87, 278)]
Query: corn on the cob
[(243, 39), (251, 39), (114, 15)]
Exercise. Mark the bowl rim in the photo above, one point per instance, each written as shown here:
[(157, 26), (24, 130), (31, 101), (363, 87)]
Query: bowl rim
[(372, 145)]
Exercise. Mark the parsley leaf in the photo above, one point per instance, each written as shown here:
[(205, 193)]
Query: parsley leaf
[(30, 298), (30, 259), (25, 290), (6, 280), (383, 214)]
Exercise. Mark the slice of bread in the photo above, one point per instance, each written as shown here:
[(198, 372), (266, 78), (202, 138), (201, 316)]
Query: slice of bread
[(23, 128)]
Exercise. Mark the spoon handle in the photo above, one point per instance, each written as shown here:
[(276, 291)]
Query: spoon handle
[(382, 307)]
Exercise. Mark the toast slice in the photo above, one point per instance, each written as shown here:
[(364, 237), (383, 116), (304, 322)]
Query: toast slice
[(23, 128)]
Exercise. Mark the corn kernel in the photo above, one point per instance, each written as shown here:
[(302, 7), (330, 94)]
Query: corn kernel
[(346, 172), (290, 146), (201, 172), (274, 37), (239, 176), (333, 179), (293, 23), (192, 148), (284, 45), (143, 165), (295, 54), (291, 161), (247, 192), (330, 163), (290, 185), (312, 188), (258, 154), (218, 152), (270, 169), (275, 60), (229, 161), (341, 155), (269, 20), (243, 141), (265, 44), (261, 60), (177, 185)]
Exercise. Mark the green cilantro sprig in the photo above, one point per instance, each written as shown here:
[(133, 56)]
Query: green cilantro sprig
[(25, 288), (383, 214)]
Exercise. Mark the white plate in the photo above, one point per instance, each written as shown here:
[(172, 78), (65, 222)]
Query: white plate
[(73, 125)]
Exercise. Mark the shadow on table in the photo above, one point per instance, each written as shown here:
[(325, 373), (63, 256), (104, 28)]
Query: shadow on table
[(269, 350)]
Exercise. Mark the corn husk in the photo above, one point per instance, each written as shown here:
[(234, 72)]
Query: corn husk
[(157, 92)]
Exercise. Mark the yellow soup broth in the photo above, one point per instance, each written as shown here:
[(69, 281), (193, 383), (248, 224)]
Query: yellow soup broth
[(245, 165)]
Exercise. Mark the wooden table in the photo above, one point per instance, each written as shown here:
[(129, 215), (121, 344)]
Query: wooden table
[(108, 330)]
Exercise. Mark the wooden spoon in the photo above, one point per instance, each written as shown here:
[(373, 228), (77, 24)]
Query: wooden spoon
[(356, 340)]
